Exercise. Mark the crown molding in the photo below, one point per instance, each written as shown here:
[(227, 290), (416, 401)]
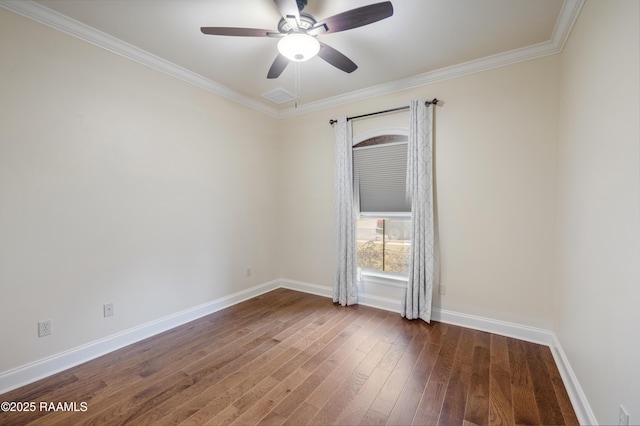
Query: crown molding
[(34, 11), (567, 18), (564, 25), (472, 67)]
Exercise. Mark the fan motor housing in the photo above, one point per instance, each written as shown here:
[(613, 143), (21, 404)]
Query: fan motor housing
[(306, 22)]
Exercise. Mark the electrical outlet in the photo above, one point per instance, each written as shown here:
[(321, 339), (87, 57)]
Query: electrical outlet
[(44, 328), (108, 310), (443, 289), (623, 417), (248, 272)]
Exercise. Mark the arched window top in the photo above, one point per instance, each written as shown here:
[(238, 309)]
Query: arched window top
[(381, 136), (383, 139)]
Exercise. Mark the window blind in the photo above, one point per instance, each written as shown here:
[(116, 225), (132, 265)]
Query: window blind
[(380, 173)]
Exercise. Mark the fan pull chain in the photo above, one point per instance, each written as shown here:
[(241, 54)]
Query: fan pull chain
[(297, 83)]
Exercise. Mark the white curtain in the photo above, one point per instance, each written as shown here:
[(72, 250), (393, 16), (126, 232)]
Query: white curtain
[(344, 285), (423, 264)]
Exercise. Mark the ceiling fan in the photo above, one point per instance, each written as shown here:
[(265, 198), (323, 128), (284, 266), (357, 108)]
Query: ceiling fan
[(298, 31)]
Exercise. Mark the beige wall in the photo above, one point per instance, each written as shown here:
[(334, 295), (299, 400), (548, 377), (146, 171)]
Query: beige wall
[(598, 288), (495, 142), (120, 184)]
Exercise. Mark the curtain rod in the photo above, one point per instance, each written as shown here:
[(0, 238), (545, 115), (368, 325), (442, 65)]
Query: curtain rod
[(434, 101)]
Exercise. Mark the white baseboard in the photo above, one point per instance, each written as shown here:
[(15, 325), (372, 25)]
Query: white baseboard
[(363, 299), (576, 395), (503, 328), (29, 373), (319, 290), (40, 369)]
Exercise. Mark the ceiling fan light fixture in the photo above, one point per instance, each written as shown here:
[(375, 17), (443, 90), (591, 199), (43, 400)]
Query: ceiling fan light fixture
[(298, 47)]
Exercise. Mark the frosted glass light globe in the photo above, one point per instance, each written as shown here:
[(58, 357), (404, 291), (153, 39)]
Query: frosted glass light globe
[(298, 47)]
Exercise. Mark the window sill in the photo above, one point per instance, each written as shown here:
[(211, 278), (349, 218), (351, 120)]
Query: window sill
[(383, 278)]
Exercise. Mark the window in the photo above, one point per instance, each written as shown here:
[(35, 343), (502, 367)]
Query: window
[(384, 244), (384, 224)]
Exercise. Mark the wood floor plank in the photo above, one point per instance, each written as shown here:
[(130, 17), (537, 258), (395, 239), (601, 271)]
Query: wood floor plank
[(568, 414), (477, 408), (407, 403), (203, 404), (316, 354), (322, 336), (376, 376), (288, 408), (230, 349), (326, 390), (404, 337), (546, 400), (339, 390), (357, 409), (215, 383), (374, 418), (454, 404), (271, 398), (347, 354), (428, 411), (244, 403), (253, 387), (302, 415), (128, 406), (525, 410), (500, 405), (287, 357), (388, 395)]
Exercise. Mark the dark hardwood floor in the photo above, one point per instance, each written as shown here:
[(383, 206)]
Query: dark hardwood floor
[(293, 358)]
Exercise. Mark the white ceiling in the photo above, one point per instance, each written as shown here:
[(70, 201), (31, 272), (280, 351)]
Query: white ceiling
[(424, 40)]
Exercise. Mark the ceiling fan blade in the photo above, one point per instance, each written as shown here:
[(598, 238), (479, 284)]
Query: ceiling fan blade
[(289, 11), (355, 18), (242, 32), (279, 64), (336, 58)]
